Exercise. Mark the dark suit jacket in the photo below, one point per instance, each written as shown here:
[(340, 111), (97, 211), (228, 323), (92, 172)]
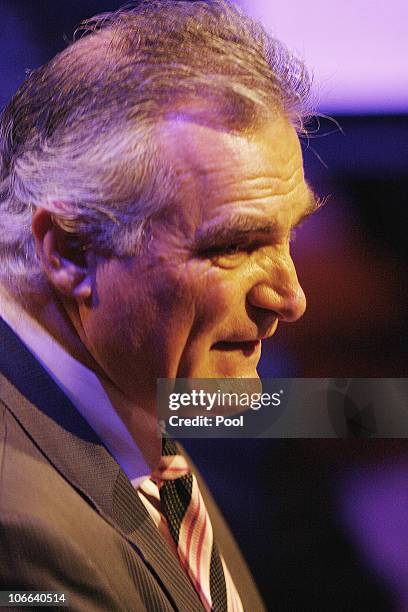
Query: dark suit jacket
[(70, 519)]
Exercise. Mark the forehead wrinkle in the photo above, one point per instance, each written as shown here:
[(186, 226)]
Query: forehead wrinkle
[(196, 163), (238, 224), (273, 185), (240, 189), (256, 203), (257, 170)]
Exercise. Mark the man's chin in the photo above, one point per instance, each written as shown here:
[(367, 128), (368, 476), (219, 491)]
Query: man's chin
[(247, 373)]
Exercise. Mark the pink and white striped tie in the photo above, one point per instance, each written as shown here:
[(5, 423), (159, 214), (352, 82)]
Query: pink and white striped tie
[(190, 527)]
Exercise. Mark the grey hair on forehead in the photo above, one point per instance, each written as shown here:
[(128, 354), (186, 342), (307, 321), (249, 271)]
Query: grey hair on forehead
[(81, 136)]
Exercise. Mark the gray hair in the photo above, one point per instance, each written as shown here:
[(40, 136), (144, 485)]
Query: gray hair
[(80, 136)]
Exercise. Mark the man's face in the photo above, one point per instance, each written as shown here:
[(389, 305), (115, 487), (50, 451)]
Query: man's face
[(217, 276)]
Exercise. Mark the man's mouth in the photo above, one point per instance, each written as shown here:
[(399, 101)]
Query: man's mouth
[(247, 347)]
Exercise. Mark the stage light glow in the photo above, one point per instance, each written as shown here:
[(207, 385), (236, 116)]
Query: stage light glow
[(357, 49)]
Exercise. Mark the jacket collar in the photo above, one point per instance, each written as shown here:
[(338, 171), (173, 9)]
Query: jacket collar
[(74, 449)]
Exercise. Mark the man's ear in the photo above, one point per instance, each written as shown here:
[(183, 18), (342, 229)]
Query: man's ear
[(62, 269)]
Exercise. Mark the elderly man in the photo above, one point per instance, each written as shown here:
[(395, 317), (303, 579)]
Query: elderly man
[(151, 176)]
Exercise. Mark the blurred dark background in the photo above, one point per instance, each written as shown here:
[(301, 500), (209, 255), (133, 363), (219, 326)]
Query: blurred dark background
[(322, 523)]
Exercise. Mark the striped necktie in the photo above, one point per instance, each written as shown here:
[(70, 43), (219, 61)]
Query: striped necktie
[(190, 527)]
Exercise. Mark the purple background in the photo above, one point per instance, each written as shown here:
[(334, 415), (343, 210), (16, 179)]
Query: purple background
[(357, 49)]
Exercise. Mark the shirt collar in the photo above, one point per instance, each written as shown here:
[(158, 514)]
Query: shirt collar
[(81, 386)]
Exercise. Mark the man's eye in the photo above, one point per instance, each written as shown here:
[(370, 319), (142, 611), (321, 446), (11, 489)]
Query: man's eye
[(229, 250), (232, 249), (229, 255)]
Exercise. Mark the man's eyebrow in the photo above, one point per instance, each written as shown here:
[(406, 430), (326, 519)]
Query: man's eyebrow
[(238, 227), (235, 228)]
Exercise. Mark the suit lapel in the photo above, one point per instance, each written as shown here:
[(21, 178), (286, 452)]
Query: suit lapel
[(74, 449)]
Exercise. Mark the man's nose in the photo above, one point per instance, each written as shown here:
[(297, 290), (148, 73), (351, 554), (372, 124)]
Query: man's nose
[(280, 292)]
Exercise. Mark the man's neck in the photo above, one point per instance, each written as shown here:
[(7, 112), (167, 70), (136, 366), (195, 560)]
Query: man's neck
[(60, 320)]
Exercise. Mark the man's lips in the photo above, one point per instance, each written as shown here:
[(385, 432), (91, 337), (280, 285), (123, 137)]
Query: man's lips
[(248, 347)]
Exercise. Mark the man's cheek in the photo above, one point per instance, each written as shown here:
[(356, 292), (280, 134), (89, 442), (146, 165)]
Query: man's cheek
[(214, 304), (189, 286), (220, 292)]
